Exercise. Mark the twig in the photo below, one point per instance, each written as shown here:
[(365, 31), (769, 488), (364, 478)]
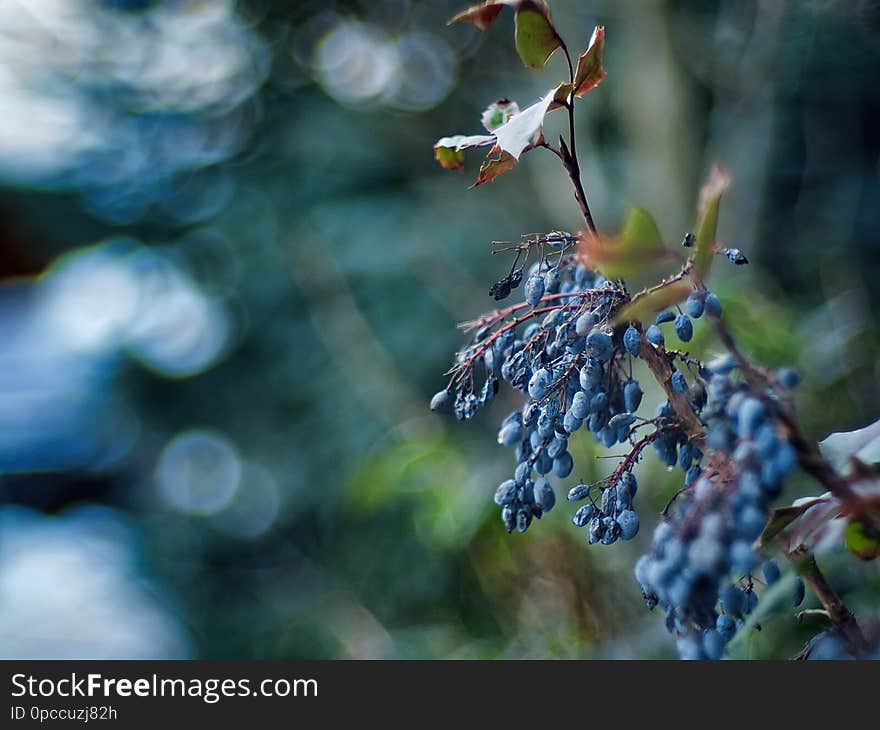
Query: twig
[(569, 154), (662, 371), (838, 613)]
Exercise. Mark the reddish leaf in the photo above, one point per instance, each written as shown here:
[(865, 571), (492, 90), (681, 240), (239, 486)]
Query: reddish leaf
[(590, 70), (481, 16), (494, 166)]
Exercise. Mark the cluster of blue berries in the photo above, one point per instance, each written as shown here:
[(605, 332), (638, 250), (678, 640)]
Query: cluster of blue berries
[(613, 516), (561, 349), (701, 566), (698, 303), (565, 357)]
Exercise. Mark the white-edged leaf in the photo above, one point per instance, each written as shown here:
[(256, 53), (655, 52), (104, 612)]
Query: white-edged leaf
[(862, 444), (524, 129)]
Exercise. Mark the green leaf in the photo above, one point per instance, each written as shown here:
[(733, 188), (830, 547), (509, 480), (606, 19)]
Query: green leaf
[(645, 307), (590, 68), (641, 232), (449, 151), (863, 540), (638, 247), (536, 38), (499, 113), (707, 219), (842, 447)]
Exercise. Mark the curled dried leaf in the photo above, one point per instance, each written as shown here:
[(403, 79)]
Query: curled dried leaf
[(496, 164), (590, 67)]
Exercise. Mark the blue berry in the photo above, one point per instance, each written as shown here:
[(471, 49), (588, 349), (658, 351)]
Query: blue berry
[(632, 341), (725, 626), (713, 645), (734, 255), (544, 496), (798, 595), (552, 281), (712, 305), (440, 400), (506, 492), (540, 383), (584, 324), (632, 395), (599, 345), (679, 384), (694, 305), (734, 600), (655, 335), (562, 465), (664, 317), (534, 289), (510, 434), (629, 524), (584, 514), (580, 405), (771, 572), (788, 377), (684, 329)]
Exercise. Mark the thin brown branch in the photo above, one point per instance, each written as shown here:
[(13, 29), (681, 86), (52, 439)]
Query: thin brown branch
[(658, 363), (569, 153), (842, 618)]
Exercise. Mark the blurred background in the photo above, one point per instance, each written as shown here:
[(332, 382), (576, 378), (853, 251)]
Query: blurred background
[(231, 273)]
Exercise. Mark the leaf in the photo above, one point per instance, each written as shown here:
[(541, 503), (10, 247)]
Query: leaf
[(707, 218), (782, 517), (863, 540), (525, 129), (481, 16), (842, 447), (640, 231), (498, 113), (449, 151), (590, 69), (560, 95), (811, 527), (645, 307), (495, 166), (638, 246), (536, 38)]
